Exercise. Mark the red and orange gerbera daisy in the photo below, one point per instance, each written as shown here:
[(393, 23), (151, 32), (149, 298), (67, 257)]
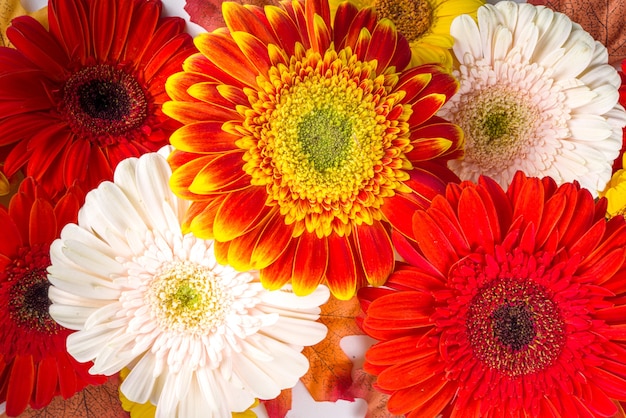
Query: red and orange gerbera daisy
[(511, 304), (34, 363), (81, 97), (305, 140)]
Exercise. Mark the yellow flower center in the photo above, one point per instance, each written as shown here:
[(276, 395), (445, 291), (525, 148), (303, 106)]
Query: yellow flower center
[(327, 140), (413, 18), (187, 297)]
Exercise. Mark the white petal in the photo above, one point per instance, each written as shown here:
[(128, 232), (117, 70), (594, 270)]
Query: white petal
[(589, 127), (465, 32), (139, 383)]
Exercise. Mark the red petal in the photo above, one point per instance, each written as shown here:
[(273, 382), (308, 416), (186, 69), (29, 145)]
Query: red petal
[(318, 24), (405, 400), (43, 227), (375, 252), (402, 309), (68, 383), (68, 22), (11, 238), (103, 16), (528, 202), (382, 47), (310, 263), (345, 14), (239, 212), (341, 272), (429, 148), (45, 147), (20, 385), (47, 378), (476, 224), (75, 160), (399, 350), (612, 385), (285, 29), (433, 242), (34, 41), (410, 373), (398, 209)]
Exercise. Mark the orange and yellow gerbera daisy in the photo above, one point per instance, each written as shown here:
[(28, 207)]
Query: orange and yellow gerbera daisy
[(306, 141)]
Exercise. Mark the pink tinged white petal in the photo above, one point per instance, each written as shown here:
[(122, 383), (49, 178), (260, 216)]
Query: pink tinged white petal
[(201, 339), (536, 94)]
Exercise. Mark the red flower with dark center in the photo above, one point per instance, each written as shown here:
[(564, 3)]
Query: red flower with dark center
[(509, 304), (34, 363), (81, 97)]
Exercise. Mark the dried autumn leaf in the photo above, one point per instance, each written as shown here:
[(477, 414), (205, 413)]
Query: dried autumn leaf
[(10, 9), (603, 19), (208, 13), (279, 406), (362, 387), (329, 376), (93, 401)]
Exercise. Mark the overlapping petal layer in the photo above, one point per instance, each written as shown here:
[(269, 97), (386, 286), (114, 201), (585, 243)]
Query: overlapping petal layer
[(510, 303), (199, 338), (80, 97), (306, 141)]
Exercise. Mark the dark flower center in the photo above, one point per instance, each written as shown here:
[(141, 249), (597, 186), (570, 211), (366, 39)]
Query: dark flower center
[(514, 326), (413, 18), (28, 295), (101, 102)]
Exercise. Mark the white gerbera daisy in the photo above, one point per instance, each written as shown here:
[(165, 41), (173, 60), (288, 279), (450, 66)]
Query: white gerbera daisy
[(201, 339), (536, 94)]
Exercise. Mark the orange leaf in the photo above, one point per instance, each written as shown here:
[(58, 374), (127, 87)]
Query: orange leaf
[(13, 8), (603, 19), (376, 401), (329, 376), (94, 401), (279, 406), (208, 13)]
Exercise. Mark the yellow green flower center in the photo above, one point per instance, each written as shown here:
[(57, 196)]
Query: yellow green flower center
[(187, 297), (322, 142), (413, 18), (498, 125)]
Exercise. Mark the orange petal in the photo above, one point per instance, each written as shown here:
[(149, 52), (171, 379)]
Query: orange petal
[(341, 271), (190, 112), (413, 83), (224, 173), (239, 212), (240, 18), (203, 137), (184, 175), (272, 241), (224, 53), (375, 252), (276, 275), (200, 217), (428, 148), (311, 261), (254, 50), (399, 350)]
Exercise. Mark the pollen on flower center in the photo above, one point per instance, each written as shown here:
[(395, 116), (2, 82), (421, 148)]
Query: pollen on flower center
[(325, 136), (323, 133), (100, 101), (29, 302), (187, 297), (499, 126), (413, 18), (515, 327)]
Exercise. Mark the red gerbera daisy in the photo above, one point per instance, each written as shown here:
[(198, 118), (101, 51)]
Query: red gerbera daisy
[(510, 304), (306, 139), (81, 97), (34, 363)]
